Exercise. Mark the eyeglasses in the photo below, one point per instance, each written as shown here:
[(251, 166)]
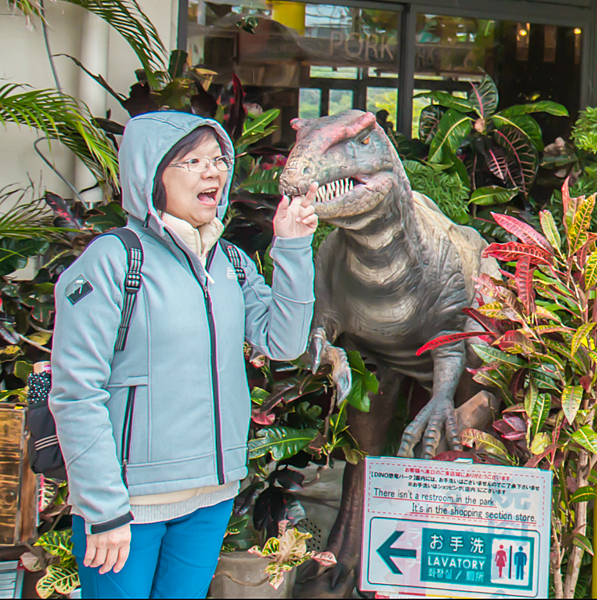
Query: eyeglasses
[(201, 164)]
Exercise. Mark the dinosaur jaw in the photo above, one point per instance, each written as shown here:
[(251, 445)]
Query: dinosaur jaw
[(352, 195)]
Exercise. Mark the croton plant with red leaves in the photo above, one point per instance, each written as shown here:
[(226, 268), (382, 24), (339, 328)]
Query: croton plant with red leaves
[(540, 333)]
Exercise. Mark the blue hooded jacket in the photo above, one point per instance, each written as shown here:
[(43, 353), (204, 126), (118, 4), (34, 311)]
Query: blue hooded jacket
[(184, 354)]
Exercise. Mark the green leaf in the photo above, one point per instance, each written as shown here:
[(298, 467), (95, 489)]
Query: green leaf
[(540, 442), (61, 578), (61, 117), (591, 271), (259, 396), (363, 383), (537, 406), (484, 442), (552, 108), (489, 354), (582, 541), (581, 335), (127, 18), (56, 543), (429, 122), (577, 235), (550, 229), (586, 438), (281, 442), (254, 129), (584, 494), (23, 369), (452, 130), (447, 100), (484, 97), (523, 159), (525, 124), (493, 194), (178, 59), (571, 399)]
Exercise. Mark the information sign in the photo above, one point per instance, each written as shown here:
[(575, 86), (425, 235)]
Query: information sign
[(448, 529)]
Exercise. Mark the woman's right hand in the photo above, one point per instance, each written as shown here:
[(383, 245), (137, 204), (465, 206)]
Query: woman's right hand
[(109, 549)]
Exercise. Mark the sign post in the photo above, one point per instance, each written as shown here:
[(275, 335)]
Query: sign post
[(455, 530)]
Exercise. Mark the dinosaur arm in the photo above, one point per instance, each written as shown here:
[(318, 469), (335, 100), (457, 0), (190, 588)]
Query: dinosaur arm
[(448, 365)]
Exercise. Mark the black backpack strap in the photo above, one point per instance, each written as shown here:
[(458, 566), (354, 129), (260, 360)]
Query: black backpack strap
[(234, 257), (132, 281)]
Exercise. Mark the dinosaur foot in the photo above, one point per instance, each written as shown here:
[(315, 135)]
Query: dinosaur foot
[(335, 582), (322, 352), (436, 416)]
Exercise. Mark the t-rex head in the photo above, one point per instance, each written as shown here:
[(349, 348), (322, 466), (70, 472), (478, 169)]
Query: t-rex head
[(351, 158)]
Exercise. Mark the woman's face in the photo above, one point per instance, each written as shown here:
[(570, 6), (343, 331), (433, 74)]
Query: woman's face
[(194, 197)]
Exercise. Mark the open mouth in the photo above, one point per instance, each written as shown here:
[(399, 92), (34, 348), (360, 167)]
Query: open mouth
[(208, 196), (334, 190)]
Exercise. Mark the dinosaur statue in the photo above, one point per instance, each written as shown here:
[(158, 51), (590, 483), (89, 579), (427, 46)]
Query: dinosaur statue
[(395, 274)]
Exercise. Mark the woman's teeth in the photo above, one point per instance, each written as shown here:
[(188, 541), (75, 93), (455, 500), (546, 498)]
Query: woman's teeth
[(208, 195)]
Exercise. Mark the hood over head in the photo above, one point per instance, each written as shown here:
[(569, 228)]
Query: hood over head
[(147, 139)]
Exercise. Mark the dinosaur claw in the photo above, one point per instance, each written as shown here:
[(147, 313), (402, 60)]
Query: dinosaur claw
[(344, 385), (428, 425), (317, 343)]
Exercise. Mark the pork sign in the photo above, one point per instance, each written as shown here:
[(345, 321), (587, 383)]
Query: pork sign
[(455, 530)]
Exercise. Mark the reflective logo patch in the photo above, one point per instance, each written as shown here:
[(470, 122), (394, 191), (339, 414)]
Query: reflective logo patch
[(231, 273), (78, 289)]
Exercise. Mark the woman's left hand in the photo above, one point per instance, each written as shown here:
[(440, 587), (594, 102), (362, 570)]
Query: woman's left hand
[(296, 218)]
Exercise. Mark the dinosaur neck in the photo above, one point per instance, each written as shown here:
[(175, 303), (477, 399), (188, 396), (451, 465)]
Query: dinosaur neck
[(382, 246)]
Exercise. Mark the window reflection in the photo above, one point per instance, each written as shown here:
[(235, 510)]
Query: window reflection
[(529, 62), (306, 59)]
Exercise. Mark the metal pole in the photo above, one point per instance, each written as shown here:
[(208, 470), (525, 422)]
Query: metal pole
[(407, 70)]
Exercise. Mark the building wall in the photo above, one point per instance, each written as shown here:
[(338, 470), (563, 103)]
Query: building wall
[(23, 59)]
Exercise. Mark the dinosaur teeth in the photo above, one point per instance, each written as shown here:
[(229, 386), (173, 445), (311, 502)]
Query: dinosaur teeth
[(331, 190)]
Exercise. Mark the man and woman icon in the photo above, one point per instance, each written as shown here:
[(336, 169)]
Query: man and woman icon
[(520, 561)]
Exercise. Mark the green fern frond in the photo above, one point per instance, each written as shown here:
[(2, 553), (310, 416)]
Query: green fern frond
[(61, 117)]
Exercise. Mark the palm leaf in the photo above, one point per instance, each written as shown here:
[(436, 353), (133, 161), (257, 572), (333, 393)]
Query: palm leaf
[(26, 219), (29, 8), (135, 27), (60, 117), (126, 17)]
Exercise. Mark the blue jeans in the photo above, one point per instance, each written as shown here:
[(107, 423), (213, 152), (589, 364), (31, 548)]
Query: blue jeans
[(170, 559)]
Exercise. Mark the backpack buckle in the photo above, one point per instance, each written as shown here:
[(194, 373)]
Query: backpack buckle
[(132, 283)]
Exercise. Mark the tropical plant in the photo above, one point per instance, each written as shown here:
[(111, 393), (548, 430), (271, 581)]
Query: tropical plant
[(295, 422), (500, 149), (541, 330), (61, 117), (288, 551), (126, 17), (53, 553), (445, 188)]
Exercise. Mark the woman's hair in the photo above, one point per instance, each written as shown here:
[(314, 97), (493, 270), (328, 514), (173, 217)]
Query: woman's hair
[(180, 149)]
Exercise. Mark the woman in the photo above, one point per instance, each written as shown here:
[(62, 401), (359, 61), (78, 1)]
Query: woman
[(154, 527)]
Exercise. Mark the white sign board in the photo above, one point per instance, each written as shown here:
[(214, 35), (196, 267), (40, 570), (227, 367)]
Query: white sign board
[(448, 529)]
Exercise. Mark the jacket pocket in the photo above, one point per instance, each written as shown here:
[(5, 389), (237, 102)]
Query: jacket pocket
[(129, 415)]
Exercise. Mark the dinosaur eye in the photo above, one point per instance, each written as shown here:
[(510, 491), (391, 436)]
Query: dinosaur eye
[(366, 140)]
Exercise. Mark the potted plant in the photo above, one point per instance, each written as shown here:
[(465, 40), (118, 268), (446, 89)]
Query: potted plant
[(271, 575)]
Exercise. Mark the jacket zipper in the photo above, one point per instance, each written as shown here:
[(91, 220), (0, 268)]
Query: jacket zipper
[(214, 360), (127, 432)]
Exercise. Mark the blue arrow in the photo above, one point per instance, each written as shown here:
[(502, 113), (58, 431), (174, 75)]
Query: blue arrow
[(387, 552)]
